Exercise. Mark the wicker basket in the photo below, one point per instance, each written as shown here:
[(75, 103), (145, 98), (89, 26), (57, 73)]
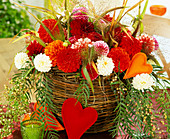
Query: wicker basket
[(65, 84)]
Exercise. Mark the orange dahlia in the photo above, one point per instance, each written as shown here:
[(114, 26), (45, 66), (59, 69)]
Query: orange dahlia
[(52, 50), (68, 60), (51, 24), (120, 58)]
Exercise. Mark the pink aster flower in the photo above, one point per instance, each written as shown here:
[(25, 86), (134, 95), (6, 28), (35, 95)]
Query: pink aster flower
[(82, 46), (73, 39), (148, 43), (80, 13), (81, 43), (101, 48)]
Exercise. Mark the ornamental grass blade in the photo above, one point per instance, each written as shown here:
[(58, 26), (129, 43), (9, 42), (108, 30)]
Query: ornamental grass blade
[(116, 43), (111, 10), (108, 11), (37, 7), (47, 13), (17, 35), (51, 13), (26, 35), (91, 7), (121, 12), (124, 29), (94, 66), (39, 40), (113, 24), (144, 9), (38, 20), (60, 35), (134, 6)]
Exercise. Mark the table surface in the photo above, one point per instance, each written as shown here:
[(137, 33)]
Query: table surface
[(63, 135)]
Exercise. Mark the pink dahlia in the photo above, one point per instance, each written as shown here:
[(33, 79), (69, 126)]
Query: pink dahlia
[(156, 44), (80, 13), (101, 48), (148, 43), (92, 72)]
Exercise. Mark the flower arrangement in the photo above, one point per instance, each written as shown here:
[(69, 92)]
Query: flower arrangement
[(96, 48)]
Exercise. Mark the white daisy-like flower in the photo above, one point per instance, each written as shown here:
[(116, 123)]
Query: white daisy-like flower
[(42, 63), (105, 65), (142, 81), (20, 60)]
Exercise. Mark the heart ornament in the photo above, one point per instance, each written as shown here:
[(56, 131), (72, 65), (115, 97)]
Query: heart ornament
[(76, 119), (138, 65)]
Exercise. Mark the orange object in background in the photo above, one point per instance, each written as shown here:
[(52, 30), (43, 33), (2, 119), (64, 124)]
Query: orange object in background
[(158, 10)]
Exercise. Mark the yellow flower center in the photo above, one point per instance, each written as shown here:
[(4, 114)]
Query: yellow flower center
[(143, 82), (105, 63)]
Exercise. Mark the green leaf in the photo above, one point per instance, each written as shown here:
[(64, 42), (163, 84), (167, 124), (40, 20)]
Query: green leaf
[(28, 72), (144, 9), (86, 74), (114, 83)]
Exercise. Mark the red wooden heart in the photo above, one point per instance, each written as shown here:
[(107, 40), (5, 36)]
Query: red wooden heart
[(76, 119)]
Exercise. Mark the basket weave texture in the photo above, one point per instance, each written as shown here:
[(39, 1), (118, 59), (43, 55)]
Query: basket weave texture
[(64, 85)]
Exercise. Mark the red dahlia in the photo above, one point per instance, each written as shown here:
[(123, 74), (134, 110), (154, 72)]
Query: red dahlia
[(51, 25), (35, 48), (131, 45), (68, 60), (81, 28), (108, 18), (120, 58), (94, 36), (119, 34)]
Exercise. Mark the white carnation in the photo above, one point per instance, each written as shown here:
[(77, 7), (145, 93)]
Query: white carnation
[(42, 63), (142, 81), (105, 65), (20, 60)]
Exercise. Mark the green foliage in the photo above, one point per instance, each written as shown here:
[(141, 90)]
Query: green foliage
[(18, 102), (83, 93), (134, 108), (28, 81), (12, 19), (45, 104)]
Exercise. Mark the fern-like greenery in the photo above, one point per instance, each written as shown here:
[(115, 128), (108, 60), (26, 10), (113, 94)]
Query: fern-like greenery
[(26, 82), (136, 117), (83, 93)]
